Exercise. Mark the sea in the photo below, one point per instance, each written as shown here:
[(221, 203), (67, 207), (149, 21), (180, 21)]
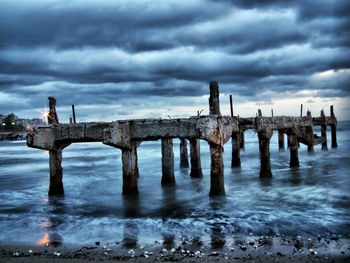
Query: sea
[(308, 201)]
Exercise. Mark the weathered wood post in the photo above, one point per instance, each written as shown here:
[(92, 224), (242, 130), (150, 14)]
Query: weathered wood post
[(217, 165), (168, 177), (280, 140), (333, 129), (293, 145), (259, 113), (324, 131), (264, 148), (130, 170), (236, 156), (55, 156), (195, 153), (310, 135), (301, 110), (231, 105), (183, 153)]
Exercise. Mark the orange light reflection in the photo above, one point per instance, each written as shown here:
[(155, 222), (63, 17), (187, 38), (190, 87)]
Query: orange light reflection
[(44, 240)]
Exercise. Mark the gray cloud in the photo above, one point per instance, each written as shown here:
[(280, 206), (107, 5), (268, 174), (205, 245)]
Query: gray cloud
[(105, 52)]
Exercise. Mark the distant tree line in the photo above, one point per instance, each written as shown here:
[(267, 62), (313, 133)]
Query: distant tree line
[(9, 124)]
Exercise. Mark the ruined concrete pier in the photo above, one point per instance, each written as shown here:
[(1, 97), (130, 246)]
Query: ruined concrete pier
[(214, 128)]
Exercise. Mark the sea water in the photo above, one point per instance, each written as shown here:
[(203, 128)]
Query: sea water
[(311, 200)]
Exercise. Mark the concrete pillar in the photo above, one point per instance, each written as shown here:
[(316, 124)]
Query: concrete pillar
[(236, 157), (183, 154), (293, 144), (168, 177), (130, 171), (241, 141), (264, 148), (52, 115), (216, 171), (280, 140), (196, 167), (334, 129), (55, 162), (214, 103), (310, 136), (324, 132)]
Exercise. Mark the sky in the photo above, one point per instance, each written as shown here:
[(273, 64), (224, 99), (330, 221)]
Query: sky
[(154, 59)]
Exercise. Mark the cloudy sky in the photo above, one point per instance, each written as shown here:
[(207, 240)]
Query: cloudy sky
[(134, 59)]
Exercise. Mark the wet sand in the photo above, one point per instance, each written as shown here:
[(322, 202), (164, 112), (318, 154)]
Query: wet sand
[(244, 249)]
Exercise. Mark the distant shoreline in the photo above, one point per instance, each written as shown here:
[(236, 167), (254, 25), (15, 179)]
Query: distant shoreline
[(13, 135)]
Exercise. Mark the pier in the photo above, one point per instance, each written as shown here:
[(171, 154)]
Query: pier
[(214, 128)]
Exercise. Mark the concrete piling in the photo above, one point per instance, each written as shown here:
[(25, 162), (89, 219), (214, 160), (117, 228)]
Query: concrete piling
[(324, 132), (214, 103), (196, 167), (130, 171), (52, 115), (183, 154), (236, 156), (264, 148), (293, 146), (280, 140), (168, 177), (333, 129), (216, 171), (55, 163), (241, 141)]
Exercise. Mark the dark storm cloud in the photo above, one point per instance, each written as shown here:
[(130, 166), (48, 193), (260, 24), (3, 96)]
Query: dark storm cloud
[(105, 52)]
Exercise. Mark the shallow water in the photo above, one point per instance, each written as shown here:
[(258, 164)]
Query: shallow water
[(311, 200)]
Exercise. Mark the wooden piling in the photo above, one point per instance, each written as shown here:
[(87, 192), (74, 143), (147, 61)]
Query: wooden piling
[(293, 146), (168, 177), (259, 113), (324, 132), (130, 171), (301, 110), (280, 140), (231, 105), (196, 167), (310, 138), (55, 162), (52, 117), (216, 171), (73, 112), (236, 156), (183, 154), (264, 148), (214, 102), (271, 112), (333, 129)]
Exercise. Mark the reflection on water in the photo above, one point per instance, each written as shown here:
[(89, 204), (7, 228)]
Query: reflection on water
[(307, 201)]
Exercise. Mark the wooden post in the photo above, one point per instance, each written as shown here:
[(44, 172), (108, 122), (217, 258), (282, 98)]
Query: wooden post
[(56, 184), (214, 102), (264, 148), (52, 117), (73, 111), (310, 139), (231, 105), (168, 177), (259, 113), (183, 154), (301, 110), (196, 167), (130, 171), (280, 140), (241, 141), (216, 171), (293, 144), (333, 129), (271, 112), (236, 157), (324, 132)]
